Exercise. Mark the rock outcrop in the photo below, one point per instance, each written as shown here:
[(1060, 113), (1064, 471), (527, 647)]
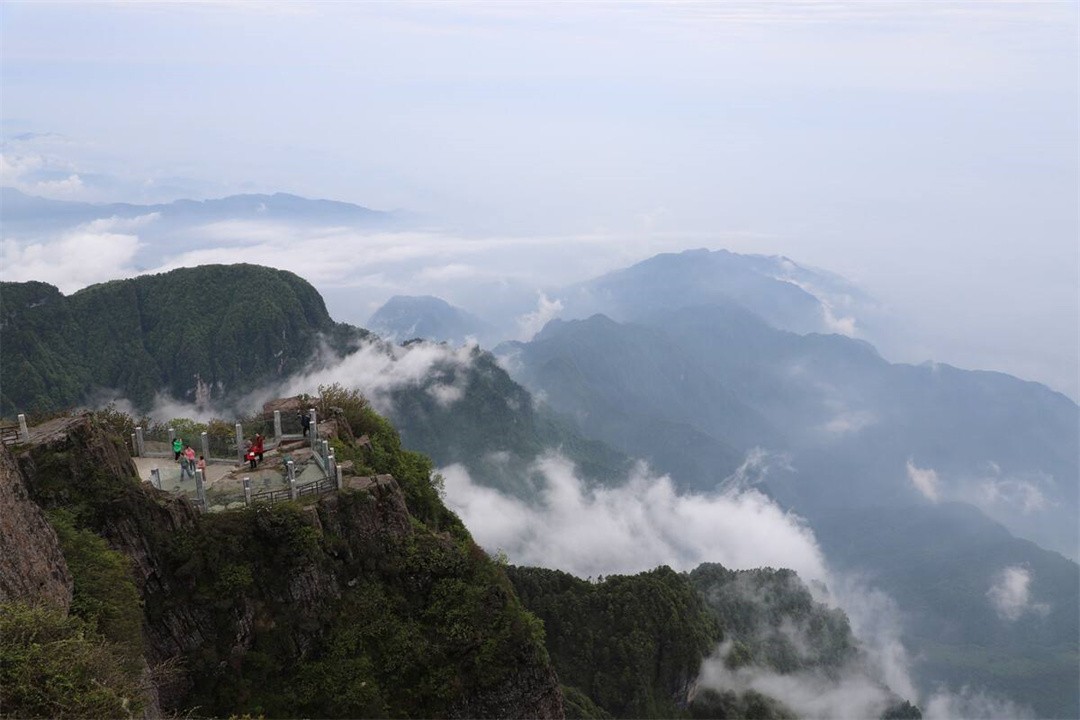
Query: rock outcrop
[(32, 566)]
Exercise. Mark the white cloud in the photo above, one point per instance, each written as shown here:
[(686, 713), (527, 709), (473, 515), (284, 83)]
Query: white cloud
[(67, 187), (754, 469), (14, 166), (971, 704), (876, 622), (853, 696), (849, 421), (830, 318), (636, 526), (447, 395), (1015, 493), (925, 481), (843, 325), (377, 369), (862, 688), (34, 163), (121, 224), (83, 256), (531, 323), (1010, 594)]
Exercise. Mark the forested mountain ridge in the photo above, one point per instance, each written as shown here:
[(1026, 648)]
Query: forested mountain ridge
[(365, 603), (852, 423), (202, 333), (495, 428), (635, 645), (213, 333)]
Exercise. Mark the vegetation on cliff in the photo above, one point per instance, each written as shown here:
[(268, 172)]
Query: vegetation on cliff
[(226, 328), (372, 603), (632, 644), (55, 665), (775, 620)]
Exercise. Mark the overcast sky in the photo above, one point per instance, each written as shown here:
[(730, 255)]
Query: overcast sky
[(927, 151)]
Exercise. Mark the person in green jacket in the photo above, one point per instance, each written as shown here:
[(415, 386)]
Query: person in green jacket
[(177, 448)]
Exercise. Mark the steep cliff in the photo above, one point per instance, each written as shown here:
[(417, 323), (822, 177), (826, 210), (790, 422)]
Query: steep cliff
[(350, 605), (32, 567)]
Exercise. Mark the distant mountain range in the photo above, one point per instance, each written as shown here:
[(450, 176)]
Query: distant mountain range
[(430, 318), (19, 208), (786, 295)]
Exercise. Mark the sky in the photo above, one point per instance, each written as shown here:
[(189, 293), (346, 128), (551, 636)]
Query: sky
[(925, 150)]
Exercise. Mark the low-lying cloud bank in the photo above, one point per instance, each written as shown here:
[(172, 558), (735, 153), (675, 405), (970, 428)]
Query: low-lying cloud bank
[(375, 368), (645, 522), (633, 527), (855, 695), (1010, 594)]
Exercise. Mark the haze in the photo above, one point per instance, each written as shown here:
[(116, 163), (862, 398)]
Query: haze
[(926, 151)]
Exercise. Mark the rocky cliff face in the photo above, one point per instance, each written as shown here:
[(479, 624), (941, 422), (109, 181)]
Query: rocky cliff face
[(32, 567), (345, 606)]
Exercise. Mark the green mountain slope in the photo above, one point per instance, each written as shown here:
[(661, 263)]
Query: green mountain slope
[(940, 565), (627, 386), (364, 603), (495, 429), (215, 330), (632, 646)]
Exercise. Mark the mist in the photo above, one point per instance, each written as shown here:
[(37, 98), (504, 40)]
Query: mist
[(643, 521), (922, 150), (636, 526)]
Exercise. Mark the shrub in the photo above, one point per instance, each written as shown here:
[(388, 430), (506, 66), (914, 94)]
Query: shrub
[(57, 666)]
